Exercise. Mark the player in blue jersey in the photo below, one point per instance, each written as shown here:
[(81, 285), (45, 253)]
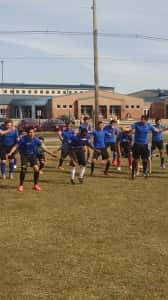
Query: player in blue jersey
[(86, 124), (157, 141), (124, 147), (9, 140), (40, 154), (78, 148), (65, 137), (100, 147), (110, 140), (27, 146), (140, 147)]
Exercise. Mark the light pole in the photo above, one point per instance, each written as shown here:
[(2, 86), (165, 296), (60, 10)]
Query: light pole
[(96, 73), (2, 69)]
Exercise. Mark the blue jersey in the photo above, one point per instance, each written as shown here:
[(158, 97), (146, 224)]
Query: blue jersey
[(28, 146), (67, 135), (79, 141), (111, 134), (141, 132), (157, 136), (10, 139), (124, 137), (99, 139), (86, 126)]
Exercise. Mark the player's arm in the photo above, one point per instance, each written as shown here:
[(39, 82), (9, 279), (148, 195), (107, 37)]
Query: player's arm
[(13, 150), (47, 151), (3, 132)]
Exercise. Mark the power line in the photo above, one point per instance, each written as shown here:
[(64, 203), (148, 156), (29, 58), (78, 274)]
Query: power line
[(80, 33)]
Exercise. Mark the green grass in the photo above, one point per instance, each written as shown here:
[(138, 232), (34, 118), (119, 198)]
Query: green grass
[(106, 239)]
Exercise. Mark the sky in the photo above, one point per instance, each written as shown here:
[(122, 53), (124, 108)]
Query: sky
[(128, 64)]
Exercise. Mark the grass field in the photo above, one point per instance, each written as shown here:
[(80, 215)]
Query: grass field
[(106, 239)]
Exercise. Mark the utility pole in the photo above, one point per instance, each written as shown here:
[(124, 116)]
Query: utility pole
[(2, 68), (96, 73)]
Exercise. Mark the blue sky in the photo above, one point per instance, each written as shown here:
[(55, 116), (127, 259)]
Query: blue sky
[(127, 64)]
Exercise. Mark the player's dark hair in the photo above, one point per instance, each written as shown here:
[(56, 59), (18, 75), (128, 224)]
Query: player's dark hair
[(41, 138), (113, 121), (86, 118), (157, 119), (83, 130), (28, 129), (7, 121), (143, 117)]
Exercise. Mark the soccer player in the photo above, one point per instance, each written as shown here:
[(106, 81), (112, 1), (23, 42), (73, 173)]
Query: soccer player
[(140, 147), (9, 140), (110, 140), (78, 148), (124, 146), (86, 124), (40, 153), (157, 141), (65, 137), (100, 148), (27, 146)]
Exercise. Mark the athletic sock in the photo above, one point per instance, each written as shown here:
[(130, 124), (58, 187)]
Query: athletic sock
[(11, 167), (36, 177), (3, 168), (145, 164), (82, 172), (162, 161), (22, 177), (107, 167), (73, 171), (92, 167)]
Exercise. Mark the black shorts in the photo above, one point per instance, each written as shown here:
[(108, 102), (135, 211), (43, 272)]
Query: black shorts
[(65, 150), (40, 157), (78, 156), (4, 151), (140, 151), (28, 159), (126, 148), (112, 146), (101, 151), (157, 145)]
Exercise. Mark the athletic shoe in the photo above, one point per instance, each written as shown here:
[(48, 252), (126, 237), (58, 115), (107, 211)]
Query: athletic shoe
[(81, 180), (107, 173), (10, 175), (60, 168), (20, 188), (41, 172), (145, 174), (119, 169), (72, 181), (163, 166), (37, 188), (15, 166), (3, 176)]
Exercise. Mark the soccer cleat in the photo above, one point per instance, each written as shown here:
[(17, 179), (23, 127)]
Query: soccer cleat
[(37, 188), (162, 166), (41, 172), (3, 176), (10, 175), (119, 169), (72, 181), (20, 188), (81, 180), (15, 166), (60, 168), (145, 174)]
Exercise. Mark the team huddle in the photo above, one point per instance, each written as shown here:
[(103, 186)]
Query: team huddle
[(82, 146)]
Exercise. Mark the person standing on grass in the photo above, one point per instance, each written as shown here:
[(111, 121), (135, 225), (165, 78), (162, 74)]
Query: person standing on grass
[(65, 137), (78, 148), (140, 147), (9, 138), (112, 133), (86, 124), (27, 146), (100, 148), (124, 146), (157, 141)]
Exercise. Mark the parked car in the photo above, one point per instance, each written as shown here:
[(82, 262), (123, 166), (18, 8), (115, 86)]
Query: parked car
[(52, 125), (26, 123)]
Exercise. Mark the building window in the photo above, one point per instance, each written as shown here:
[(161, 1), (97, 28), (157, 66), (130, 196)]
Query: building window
[(58, 106), (64, 106), (41, 92), (5, 91), (17, 91), (132, 106), (58, 92), (70, 106), (127, 106), (23, 91), (29, 91), (53, 92), (12, 91), (35, 91), (3, 112), (69, 92), (47, 92), (76, 92), (64, 92), (137, 106)]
